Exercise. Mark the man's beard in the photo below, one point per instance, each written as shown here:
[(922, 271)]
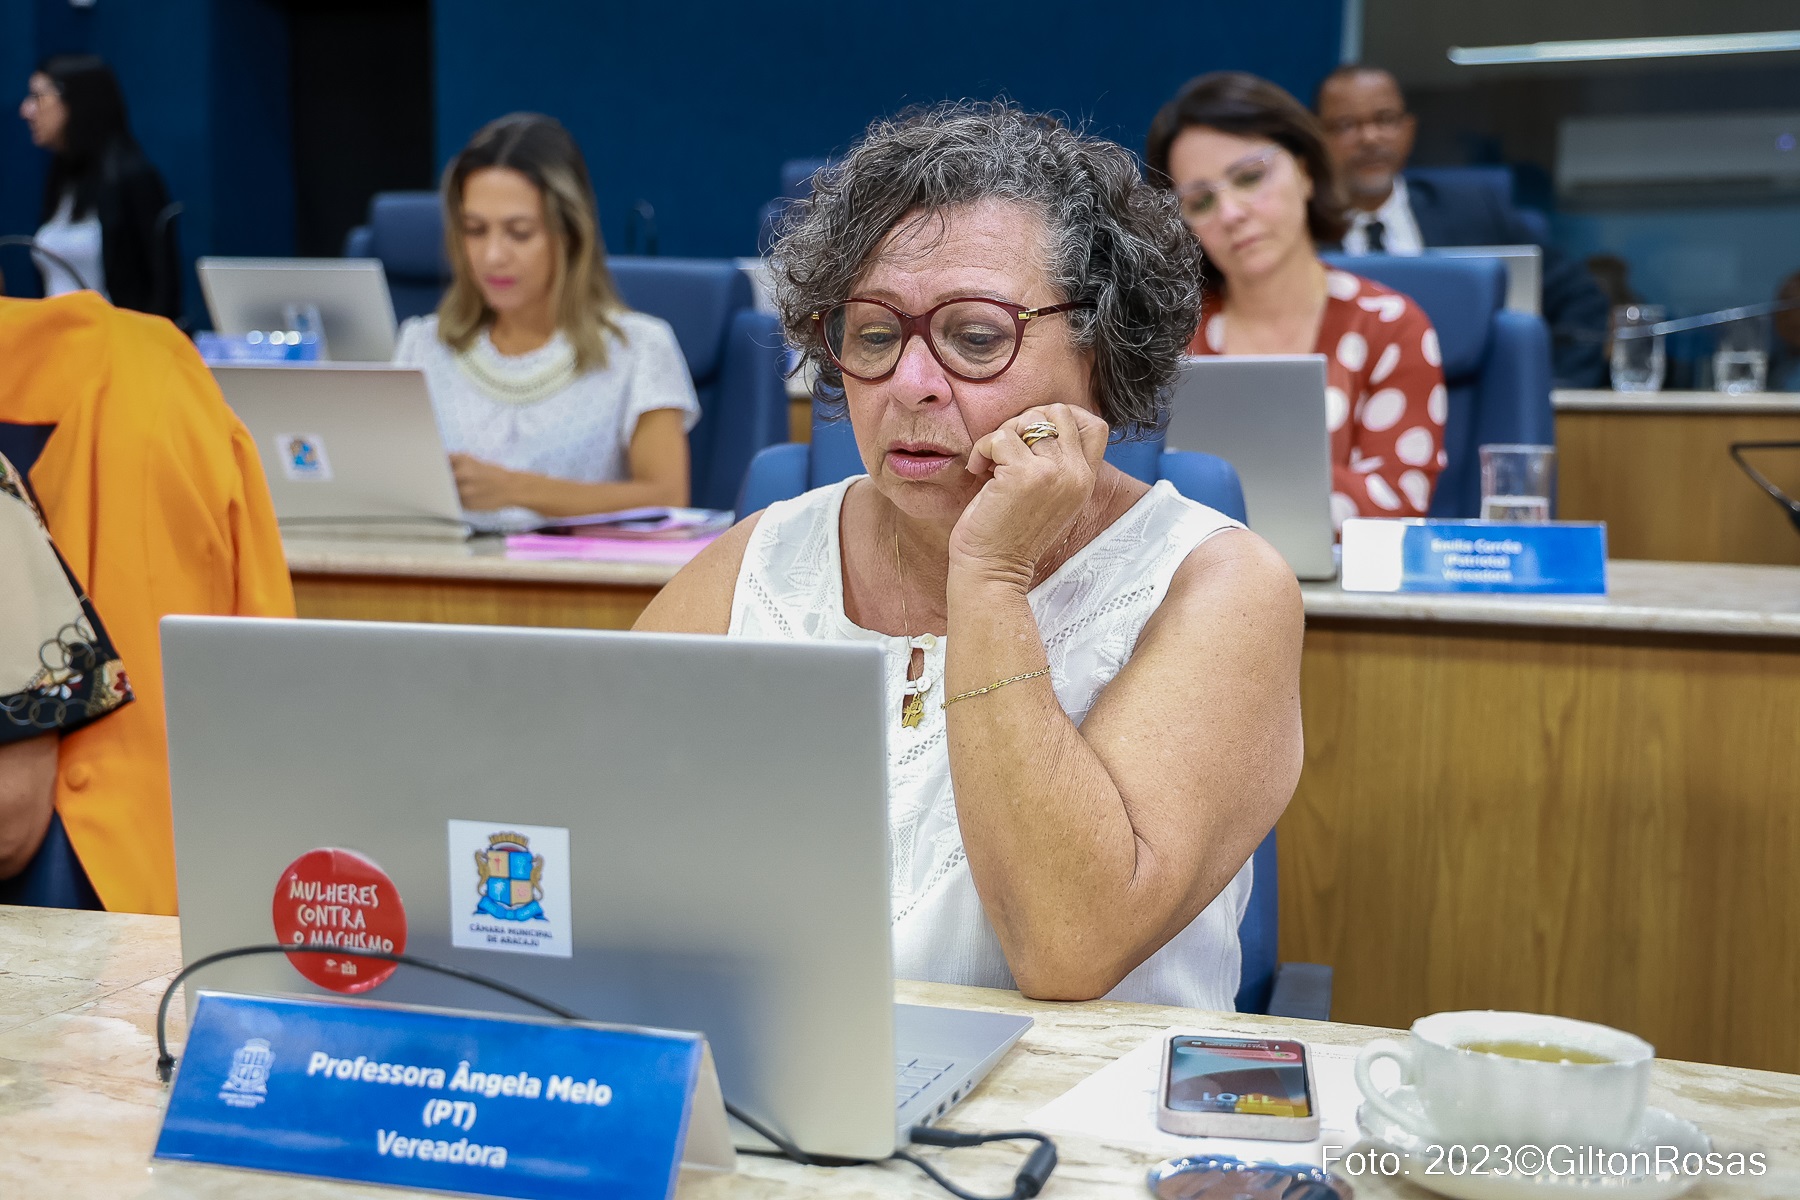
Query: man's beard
[(1366, 184)]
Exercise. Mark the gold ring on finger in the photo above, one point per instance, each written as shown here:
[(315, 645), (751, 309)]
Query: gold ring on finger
[(1032, 434)]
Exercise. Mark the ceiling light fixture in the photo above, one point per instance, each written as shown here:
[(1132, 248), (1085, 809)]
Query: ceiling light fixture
[(1601, 49)]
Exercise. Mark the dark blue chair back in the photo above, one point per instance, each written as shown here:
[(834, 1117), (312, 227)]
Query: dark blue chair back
[(783, 472), (406, 232), (796, 184), (1496, 363), (734, 354)]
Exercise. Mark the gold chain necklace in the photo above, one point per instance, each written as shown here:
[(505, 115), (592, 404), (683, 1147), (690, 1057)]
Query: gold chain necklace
[(912, 709)]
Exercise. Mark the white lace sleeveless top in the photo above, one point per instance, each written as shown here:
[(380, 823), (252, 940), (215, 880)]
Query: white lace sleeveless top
[(1090, 612)]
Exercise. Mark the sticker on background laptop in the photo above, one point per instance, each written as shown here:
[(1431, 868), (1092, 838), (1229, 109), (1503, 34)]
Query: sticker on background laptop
[(303, 457), (509, 888), (339, 898)]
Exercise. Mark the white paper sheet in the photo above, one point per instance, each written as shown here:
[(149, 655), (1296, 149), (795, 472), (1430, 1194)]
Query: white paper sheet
[(1117, 1104)]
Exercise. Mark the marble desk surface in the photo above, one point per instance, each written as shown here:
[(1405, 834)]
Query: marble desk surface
[(480, 558), (1715, 598), (80, 1104), (1707, 598), (1574, 400)]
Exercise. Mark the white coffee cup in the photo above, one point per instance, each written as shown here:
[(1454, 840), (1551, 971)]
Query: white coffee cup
[(1469, 1097)]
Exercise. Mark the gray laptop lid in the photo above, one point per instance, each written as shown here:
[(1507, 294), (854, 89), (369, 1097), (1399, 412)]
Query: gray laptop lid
[(347, 449), (723, 804), (351, 294), (1265, 414)]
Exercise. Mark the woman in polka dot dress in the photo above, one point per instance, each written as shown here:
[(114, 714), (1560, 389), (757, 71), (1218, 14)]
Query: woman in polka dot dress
[(1256, 186)]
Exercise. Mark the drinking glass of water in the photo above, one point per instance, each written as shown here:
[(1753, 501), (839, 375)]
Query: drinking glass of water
[(1517, 483), (1741, 356), (1638, 358)]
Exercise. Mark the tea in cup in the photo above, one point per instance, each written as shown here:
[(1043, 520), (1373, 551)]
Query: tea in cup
[(1514, 1079)]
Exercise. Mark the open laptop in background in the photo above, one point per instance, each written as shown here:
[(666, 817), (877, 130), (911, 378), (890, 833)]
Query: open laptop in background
[(1265, 415), (349, 450), (244, 295), (707, 820)]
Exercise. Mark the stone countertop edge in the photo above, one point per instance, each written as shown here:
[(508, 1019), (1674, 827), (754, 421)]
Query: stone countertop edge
[(1691, 403), (313, 559), (1693, 598)]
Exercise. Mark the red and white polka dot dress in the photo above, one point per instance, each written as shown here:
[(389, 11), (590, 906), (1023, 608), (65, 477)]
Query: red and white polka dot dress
[(1384, 394)]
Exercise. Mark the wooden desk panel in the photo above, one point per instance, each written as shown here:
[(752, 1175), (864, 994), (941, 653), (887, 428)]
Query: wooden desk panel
[(469, 601), (1666, 486), (1603, 825)]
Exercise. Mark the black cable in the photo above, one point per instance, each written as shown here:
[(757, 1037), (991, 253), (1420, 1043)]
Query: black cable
[(165, 1062), (19, 239), (1028, 1182), (1787, 502)]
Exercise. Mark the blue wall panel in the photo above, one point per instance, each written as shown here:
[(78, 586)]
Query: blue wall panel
[(206, 84), (21, 177), (694, 107)]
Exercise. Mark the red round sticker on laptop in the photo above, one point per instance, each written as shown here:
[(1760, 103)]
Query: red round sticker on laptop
[(339, 900)]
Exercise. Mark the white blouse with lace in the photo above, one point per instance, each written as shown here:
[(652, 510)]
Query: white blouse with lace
[(534, 412), (1090, 612)]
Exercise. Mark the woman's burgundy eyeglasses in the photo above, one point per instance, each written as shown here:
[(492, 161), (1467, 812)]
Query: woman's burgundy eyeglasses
[(972, 337)]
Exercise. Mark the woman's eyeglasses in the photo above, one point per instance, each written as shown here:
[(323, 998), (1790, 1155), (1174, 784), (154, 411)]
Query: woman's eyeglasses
[(1200, 201), (971, 337)]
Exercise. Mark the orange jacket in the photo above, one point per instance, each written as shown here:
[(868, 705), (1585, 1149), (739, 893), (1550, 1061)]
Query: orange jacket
[(152, 491)]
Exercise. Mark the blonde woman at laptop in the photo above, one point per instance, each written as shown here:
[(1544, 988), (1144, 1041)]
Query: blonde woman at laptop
[(1256, 185), (553, 397), (1092, 684)]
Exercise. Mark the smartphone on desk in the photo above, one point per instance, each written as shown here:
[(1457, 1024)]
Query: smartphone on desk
[(1236, 1087)]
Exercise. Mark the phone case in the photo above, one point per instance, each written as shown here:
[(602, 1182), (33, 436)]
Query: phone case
[(1235, 1125)]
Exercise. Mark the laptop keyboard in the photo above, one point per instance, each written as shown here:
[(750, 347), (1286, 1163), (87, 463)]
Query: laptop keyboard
[(914, 1075)]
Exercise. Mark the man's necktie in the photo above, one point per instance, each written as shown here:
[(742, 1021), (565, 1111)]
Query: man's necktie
[(1376, 233)]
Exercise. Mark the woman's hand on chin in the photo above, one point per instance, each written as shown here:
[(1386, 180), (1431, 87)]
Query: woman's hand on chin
[(1032, 493), (484, 486)]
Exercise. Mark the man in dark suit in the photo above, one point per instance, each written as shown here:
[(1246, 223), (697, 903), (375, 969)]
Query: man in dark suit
[(1370, 134)]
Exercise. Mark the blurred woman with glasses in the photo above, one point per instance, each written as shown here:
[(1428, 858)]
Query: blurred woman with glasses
[(1092, 684), (1249, 166), (106, 219), (555, 399)]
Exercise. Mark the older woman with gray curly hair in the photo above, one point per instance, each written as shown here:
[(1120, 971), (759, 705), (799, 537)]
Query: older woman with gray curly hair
[(1094, 683)]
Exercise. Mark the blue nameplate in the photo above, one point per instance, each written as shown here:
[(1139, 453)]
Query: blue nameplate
[(1412, 555), (488, 1105)]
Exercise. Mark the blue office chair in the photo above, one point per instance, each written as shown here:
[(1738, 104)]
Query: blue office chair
[(735, 355), (406, 232), (1496, 363), (1267, 985), (796, 184)]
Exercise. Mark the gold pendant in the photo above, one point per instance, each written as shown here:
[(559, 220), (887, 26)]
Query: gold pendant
[(913, 711)]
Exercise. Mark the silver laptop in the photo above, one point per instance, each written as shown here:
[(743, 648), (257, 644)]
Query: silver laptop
[(349, 451), (709, 816), (244, 295), (1524, 271), (1265, 414)]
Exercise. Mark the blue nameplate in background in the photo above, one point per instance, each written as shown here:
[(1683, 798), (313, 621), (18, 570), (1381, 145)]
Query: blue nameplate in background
[(494, 1106), (1562, 557)]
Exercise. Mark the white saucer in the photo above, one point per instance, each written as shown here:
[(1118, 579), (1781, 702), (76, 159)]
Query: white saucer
[(1660, 1128)]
